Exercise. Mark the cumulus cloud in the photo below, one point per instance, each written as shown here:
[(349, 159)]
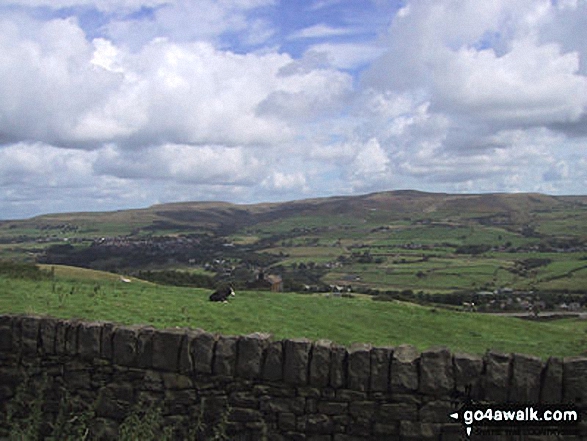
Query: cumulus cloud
[(489, 61), (158, 100)]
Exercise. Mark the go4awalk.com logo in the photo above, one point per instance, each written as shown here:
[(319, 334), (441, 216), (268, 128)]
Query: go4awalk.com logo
[(499, 419)]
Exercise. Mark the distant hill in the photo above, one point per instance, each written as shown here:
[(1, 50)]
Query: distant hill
[(513, 210)]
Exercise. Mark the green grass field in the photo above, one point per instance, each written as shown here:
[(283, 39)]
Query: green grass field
[(92, 295)]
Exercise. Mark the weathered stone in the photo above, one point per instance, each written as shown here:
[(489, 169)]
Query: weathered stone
[(338, 362), (106, 343), (245, 415), (320, 363), (250, 355), (89, 337), (575, 380), (153, 381), (225, 355), (404, 368), (350, 395), (552, 390), (436, 412), (145, 347), (359, 366), (279, 405), (113, 401), (273, 365), (166, 345), (176, 381), (296, 359), (47, 335), (308, 392), (185, 357), (436, 372), (5, 333), (124, 346), (385, 429), (243, 399), (380, 365), (526, 379), (411, 430), (61, 336), (332, 408), (398, 412), (286, 421), (71, 337), (318, 423), (468, 369), (202, 351), (77, 380), (30, 334), (497, 376), (362, 409)]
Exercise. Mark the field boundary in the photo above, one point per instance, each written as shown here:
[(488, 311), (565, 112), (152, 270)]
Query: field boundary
[(252, 387)]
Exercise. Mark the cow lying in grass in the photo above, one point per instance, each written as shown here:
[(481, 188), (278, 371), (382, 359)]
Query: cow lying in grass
[(222, 294)]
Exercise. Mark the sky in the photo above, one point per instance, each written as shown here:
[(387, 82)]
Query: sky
[(114, 104)]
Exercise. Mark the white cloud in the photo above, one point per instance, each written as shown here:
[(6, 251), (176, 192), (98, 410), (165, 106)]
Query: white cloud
[(168, 102), (346, 55), (320, 31)]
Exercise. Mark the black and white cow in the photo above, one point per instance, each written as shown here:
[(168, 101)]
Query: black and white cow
[(222, 294)]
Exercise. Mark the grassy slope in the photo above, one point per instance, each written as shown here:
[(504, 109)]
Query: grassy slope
[(287, 315)]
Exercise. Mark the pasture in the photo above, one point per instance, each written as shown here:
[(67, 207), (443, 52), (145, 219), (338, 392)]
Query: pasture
[(78, 293)]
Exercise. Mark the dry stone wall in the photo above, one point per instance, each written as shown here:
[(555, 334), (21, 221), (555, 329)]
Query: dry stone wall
[(251, 387)]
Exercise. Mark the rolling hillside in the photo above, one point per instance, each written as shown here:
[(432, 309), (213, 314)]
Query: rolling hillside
[(398, 240)]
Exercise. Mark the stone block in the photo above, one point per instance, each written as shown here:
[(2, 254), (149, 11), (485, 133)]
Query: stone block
[(380, 366), (61, 328), (273, 364), (185, 357), (404, 368), (332, 408), (496, 381), (416, 431), (71, 337), (30, 334), (436, 372), (397, 412), (225, 355), (244, 415), (243, 399), (106, 343), (47, 332), (176, 381), (318, 423), (124, 346), (202, 351), (296, 361), (362, 409), (89, 338), (145, 347), (436, 412), (286, 421), (526, 379), (575, 380), (552, 385), (295, 405), (338, 363), (468, 371), (5, 333), (320, 363), (251, 348), (359, 366), (166, 346)]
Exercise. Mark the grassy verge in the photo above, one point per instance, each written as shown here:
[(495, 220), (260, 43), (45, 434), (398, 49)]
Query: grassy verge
[(289, 315)]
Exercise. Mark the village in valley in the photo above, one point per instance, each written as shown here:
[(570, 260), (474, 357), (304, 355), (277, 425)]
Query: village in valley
[(387, 246)]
